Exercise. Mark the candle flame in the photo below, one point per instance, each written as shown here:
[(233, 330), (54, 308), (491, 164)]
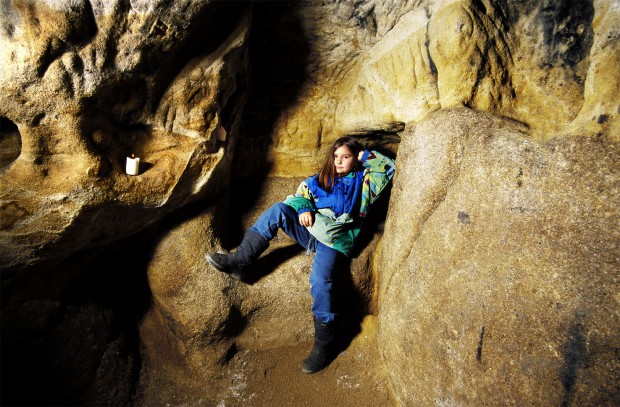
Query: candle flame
[(132, 156)]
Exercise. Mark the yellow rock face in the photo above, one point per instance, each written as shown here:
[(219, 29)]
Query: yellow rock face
[(499, 266), (82, 90)]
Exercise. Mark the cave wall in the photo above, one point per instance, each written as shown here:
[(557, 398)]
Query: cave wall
[(504, 118), (372, 66), (83, 86)]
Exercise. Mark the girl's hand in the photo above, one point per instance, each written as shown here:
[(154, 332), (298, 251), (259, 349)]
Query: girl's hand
[(306, 219)]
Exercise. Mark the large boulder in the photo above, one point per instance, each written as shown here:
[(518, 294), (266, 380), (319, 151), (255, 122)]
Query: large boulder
[(499, 266)]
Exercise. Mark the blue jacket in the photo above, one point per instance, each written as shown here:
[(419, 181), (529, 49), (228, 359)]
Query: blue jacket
[(339, 214)]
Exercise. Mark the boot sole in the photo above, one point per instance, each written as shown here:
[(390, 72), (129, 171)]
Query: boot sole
[(312, 371), (309, 367), (215, 264), (223, 269)]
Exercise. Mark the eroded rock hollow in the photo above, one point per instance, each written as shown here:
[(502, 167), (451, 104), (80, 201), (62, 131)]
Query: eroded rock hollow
[(490, 275)]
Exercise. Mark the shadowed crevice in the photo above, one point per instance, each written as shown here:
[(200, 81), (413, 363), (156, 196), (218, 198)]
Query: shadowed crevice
[(575, 357), (10, 142)]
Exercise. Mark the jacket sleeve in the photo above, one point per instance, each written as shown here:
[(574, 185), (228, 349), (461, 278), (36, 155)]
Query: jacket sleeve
[(303, 200), (379, 171)]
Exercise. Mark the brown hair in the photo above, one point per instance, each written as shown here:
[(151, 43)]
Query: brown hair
[(327, 173)]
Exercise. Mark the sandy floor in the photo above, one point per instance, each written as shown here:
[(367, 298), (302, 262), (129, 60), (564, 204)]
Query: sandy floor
[(274, 378)]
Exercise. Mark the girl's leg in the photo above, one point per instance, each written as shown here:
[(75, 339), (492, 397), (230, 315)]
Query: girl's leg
[(326, 260), (256, 240), (281, 216)]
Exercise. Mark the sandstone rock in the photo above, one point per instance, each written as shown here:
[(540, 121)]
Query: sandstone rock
[(82, 86), (87, 85), (108, 70), (499, 266), (72, 344), (206, 315), (381, 63)]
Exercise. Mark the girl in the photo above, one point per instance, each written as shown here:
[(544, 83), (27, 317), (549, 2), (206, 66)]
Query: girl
[(324, 216)]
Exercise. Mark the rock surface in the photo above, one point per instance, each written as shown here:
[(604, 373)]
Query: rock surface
[(496, 277), (85, 85), (209, 316), (380, 64), (500, 266)]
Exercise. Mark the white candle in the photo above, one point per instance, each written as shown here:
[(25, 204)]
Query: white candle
[(133, 165), (221, 133)]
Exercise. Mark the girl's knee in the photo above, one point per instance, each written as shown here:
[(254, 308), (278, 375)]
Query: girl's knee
[(283, 209), (320, 282), (280, 206)]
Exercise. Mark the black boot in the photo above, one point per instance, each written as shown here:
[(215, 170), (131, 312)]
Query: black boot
[(321, 354), (250, 249)]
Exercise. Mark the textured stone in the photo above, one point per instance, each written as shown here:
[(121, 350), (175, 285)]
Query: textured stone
[(207, 316), (384, 62), (82, 86), (89, 84), (500, 266)]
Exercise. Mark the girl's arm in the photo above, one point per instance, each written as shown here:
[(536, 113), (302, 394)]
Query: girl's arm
[(303, 203), (379, 171), (306, 219), (303, 200), (374, 161)]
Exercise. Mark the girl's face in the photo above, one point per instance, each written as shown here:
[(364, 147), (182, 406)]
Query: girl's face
[(344, 160)]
